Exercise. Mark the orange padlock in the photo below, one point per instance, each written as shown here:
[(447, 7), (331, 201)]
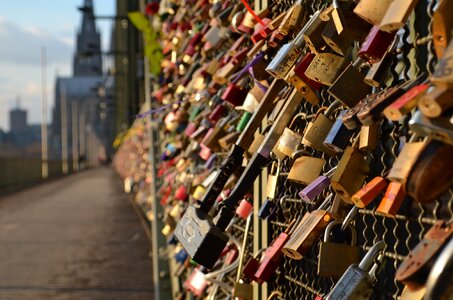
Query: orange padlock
[(369, 192), (392, 200)]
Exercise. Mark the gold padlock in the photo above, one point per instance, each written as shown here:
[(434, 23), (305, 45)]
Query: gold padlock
[(405, 161), (305, 169), (272, 178), (372, 11), (397, 14), (369, 137), (350, 174), (326, 67)]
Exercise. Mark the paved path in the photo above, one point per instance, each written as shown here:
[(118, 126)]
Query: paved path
[(73, 238)]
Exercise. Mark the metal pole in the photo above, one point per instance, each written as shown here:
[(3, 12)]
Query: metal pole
[(44, 148), (64, 131), (75, 136)]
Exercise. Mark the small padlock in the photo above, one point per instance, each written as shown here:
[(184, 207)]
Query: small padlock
[(335, 258), (397, 14), (436, 101), (440, 128), (235, 94), (375, 45), (432, 173), (272, 179), (288, 142), (305, 169), (350, 174), (196, 282), (307, 231), (316, 187), (357, 281), (369, 192), (369, 137), (378, 73), (228, 140), (414, 269), (244, 209), (393, 199), (404, 104), (339, 135), (243, 290), (341, 87), (257, 141), (372, 11), (326, 67)]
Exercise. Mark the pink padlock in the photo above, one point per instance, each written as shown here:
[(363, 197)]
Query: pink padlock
[(205, 152), (181, 193), (190, 128), (244, 209)]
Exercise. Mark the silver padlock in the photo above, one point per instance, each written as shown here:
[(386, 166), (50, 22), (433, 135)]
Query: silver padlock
[(440, 128), (357, 282)]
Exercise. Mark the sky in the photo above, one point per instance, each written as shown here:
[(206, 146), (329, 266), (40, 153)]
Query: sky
[(25, 27)]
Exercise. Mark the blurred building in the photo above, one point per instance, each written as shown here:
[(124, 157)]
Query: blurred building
[(79, 133)]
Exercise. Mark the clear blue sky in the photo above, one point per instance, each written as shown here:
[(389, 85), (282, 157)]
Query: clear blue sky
[(26, 26)]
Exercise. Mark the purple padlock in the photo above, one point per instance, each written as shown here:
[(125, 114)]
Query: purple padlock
[(311, 191)]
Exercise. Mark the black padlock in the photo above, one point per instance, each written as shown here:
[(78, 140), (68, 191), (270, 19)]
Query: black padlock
[(339, 135)]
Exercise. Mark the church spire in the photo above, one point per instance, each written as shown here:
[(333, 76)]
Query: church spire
[(88, 60)]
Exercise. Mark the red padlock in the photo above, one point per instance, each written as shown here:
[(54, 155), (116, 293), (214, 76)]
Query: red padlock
[(375, 45), (302, 66), (244, 209), (234, 94), (217, 113), (181, 193)]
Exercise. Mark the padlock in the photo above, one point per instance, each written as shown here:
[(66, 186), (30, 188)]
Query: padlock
[(441, 27), (355, 29), (350, 174), (436, 101), (338, 137), (271, 258), (217, 113), (244, 209), (297, 16), (307, 231), (250, 268), (375, 45), (440, 128), (369, 192), (405, 161), (393, 199), (256, 143), (196, 282), (417, 294), (378, 73), (404, 104), (316, 187), (235, 94), (326, 67), (357, 281), (298, 74), (243, 290), (414, 269), (432, 173), (288, 142), (372, 110), (305, 169), (369, 137), (397, 14), (228, 140), (318, 129), (341, 87), (312, 35), (335, 258), (242, 287), (372, 11), (272, 179)]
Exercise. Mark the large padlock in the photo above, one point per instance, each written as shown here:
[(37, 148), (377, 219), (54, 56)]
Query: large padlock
[(341, 88), (306, 169), (350, 174), (372, 11), (335, 258), (432, 173), (397, 14), (440, 128), (405, 161), (414, 269), (326, 67), (357, 281), (307, 231)]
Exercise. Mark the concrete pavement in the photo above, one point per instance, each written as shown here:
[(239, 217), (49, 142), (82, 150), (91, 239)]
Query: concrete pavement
[(73, 238)]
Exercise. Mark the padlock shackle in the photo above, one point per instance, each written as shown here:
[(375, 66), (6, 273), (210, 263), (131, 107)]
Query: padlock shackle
[(331, 109), (368, 260), (334, 223), (349, 217)]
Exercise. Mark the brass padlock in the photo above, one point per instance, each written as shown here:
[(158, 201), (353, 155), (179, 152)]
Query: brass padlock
[(405, 161), (312, 35), (442, 26), (372, 11), (341, 88), (432, 173), (307, 231), (436, 101), (243, 290), (397, 14), (257, 141), (369, 137), (305, 169), (350, 174), (416, 294), (288, 142), (335, 258), (326, 67), (272, 180)]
